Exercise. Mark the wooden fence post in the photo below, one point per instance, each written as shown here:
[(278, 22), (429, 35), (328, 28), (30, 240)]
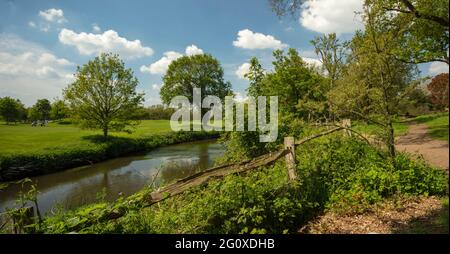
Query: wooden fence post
[(289, 144), (347, 123)]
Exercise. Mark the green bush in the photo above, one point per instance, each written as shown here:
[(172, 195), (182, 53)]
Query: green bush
[(334, 173)]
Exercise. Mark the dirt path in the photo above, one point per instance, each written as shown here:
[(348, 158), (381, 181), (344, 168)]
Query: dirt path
[(417, 141), (418, 215)]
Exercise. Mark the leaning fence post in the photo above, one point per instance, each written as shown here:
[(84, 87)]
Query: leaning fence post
[(347, 123), (289, 145)]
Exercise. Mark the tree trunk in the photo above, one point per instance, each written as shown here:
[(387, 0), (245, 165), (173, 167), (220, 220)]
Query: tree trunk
[(105, 131), (391, 139)]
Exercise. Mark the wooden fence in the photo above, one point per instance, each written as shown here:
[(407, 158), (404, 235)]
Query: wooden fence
[(217, 172), (197, 179)]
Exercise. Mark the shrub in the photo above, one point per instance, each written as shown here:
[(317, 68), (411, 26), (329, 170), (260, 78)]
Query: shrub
[(334, 173)]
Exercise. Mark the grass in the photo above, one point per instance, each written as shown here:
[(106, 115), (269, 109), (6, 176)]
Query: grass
[(437, 125), (400, 128), (22, 138)]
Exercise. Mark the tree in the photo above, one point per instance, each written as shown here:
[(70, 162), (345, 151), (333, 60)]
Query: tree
[(421, 25), (439, 90), (375, 83), (43, 108), (255, 76), (297, 85), (332, 53), (10, 109), (59, 110), (104, 95), (196, 71)]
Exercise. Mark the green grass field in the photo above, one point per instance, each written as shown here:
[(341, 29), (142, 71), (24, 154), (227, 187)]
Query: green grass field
[(24, 138), (399, 128), (437, 124)]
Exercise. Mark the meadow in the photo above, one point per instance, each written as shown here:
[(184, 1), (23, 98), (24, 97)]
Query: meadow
[(23, 138)]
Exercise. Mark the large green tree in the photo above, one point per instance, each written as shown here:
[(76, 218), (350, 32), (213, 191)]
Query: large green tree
[(197, 71), (104, 94), (375, 82), (11, 110), (43, 108), (59, 110), (298, 85)]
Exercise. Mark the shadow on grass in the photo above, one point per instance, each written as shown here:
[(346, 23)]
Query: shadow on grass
[(435, 222), (100, 139), (439, 131)]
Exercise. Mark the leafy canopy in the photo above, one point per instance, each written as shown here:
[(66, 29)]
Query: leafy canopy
[(104, 94)]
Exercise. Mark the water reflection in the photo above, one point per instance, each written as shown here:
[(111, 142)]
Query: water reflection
[(121, 176)]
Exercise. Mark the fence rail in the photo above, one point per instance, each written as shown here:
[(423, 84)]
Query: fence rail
[(200, 178)]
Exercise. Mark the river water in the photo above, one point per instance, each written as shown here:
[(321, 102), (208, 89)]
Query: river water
[(117, 177)]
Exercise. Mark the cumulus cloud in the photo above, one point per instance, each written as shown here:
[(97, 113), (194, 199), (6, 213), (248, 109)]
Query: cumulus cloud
[(109, 41), (53, 15), (29, 72), (328, 16), (242, 70), (247, 39), (312, 61), (436, 68), (161, 66), (31, 24), (193, 50)]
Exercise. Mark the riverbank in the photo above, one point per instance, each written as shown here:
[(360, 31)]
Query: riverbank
[(15, 166), (336, 174)]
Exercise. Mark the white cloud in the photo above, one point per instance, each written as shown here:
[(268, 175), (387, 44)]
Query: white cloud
[(30, 72), (437, 68), (193, 50), (250, 40), (238, 97), (53, 15), (242, 70), (161, 66), (31, 24), (328, 16), (156, 87), (96, 28), (312, 61), (109, 41)]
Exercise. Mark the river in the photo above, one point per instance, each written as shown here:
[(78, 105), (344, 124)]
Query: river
[(117, 177)]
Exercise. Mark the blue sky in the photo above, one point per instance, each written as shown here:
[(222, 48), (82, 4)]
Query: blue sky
[(42, 42)]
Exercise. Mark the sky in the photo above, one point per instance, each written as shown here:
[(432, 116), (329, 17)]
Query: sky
[(43, 42)]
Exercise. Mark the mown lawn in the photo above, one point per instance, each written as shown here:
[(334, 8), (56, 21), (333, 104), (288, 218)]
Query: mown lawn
[(437, 124), (20, 138)]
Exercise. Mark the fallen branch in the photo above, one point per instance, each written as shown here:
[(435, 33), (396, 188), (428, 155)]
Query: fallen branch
[(200, 178)]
